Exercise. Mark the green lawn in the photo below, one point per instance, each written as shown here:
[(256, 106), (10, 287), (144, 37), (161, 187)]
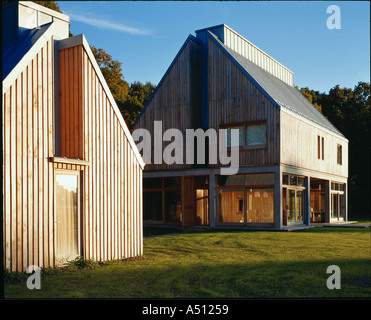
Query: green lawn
[(224, 264)]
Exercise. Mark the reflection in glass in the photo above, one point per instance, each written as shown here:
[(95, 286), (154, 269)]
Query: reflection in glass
[(173, 206), (256, 134), (290, 205), (66, 216), (231, 203), (260, 205), (152, 205)]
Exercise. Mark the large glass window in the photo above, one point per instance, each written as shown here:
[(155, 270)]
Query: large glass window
[(162, 200), (246, 198), (202, 200), (260, 205), (173, 205), (231, 206), (152, 205), (294, 198), (317, 202), (337, 201)]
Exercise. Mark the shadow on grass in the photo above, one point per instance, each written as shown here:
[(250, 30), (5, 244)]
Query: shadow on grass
[(205, 279)]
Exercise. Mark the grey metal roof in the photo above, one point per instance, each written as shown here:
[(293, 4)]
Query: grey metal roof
[(14, 52), (286, 96)]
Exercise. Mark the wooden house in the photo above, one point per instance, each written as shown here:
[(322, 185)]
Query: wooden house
[(292, 162), (72, 174)]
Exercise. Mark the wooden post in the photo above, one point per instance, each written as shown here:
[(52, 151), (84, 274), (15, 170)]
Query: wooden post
[(307, 201), (328, 201), (278, 198), (212, 199)]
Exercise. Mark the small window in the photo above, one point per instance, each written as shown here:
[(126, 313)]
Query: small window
[(321, 147), (256, 134), (240, 205), (340, 154)]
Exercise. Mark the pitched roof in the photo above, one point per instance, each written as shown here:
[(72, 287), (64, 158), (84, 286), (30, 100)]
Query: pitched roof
[(14, 52), (281, 94), (18, 55)]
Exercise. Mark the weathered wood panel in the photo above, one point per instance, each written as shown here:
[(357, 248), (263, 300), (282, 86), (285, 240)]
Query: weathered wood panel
[(171, 104), (27, 172), (234, 99), (299, 147)]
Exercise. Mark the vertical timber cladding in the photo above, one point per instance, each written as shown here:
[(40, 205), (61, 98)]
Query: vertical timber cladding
[(91, 131), (27, 174), (233, 98), (174, 103)]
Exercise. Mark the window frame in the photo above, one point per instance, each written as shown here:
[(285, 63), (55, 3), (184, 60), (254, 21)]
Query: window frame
[(339, 154), (245, 125)]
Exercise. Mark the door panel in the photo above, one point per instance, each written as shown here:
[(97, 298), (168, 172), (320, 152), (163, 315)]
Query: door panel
[(67, 217)]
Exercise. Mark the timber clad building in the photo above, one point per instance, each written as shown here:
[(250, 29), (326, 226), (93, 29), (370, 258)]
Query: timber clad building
[(72, 174), (293, 163)]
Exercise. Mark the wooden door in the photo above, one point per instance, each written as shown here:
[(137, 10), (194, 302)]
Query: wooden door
[(188, 201), (67, 222)]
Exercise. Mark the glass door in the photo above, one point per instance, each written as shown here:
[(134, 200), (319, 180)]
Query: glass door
[(294, 206), (290, 205), (67, 216), (337, 206)]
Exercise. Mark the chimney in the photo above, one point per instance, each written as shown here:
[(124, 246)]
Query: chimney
[(23, 15)]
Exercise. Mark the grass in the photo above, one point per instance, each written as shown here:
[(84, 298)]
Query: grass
[(222, 264)]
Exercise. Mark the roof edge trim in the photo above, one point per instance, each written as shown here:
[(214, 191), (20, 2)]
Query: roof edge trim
[(26, 59), (216, 41), (80, 40)]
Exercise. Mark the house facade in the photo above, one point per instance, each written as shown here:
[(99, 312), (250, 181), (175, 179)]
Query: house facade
[(72, 174), (292, 162)]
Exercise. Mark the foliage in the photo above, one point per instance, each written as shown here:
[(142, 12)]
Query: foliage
[(349, 111), (129, 99), (138, 96), (49, 4), (112, 72), (312, 96)]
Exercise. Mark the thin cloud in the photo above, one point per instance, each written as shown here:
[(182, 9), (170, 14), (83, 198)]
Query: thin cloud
[(103, 24)]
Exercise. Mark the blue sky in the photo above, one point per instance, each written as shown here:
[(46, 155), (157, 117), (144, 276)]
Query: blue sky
[(146, 36)]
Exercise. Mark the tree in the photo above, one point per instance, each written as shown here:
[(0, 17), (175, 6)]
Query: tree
[(130, 99), (138, 96), (112, 72), (312, 96), (49, 4), (349, 111)]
